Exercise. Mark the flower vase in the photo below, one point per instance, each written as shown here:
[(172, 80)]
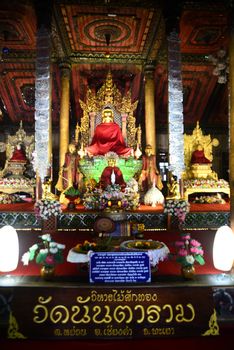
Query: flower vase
[(47, 272), (188, 272)]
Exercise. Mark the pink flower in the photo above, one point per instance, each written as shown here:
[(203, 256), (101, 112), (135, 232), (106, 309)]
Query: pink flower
[(194, 250), (194, 243), (182, 252), (188, 250), (200, 251), (49, 260)]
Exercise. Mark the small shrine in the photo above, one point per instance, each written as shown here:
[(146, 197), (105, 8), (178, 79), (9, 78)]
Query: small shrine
[(18, 175), (199, 177)]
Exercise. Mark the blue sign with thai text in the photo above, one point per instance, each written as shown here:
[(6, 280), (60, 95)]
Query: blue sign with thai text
[(119, 267)]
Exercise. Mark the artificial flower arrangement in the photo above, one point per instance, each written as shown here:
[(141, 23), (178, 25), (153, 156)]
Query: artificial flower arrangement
[(177, 207), (101, 199), (47, 252), (92, 199), (188, 251), (45, 208)]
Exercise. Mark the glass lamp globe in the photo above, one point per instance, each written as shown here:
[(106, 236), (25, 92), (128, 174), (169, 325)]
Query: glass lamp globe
[(9, 249), (223, 248)]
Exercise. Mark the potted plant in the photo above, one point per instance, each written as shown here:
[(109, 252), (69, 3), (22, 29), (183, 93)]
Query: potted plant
[(47, 252), (72, 194), (188, 252)]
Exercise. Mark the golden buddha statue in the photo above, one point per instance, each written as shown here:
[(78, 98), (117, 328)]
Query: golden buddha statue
[(173, 188), (17, 162), (198, 154), (200, 164), (108, 137)]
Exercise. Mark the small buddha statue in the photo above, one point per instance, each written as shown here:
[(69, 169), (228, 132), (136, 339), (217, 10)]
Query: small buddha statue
[(200, 164), (112, 174), (46, 190), (18, 155), (198, 156), (17, 162), (173, 188)]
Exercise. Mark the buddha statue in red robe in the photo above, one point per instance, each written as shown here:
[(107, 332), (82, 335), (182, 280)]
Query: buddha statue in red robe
[(18, 155), (108, 137), (198, 156), (112, 174)]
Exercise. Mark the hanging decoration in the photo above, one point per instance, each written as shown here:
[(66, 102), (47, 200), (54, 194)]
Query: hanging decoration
[(42, 103), (175, 106)]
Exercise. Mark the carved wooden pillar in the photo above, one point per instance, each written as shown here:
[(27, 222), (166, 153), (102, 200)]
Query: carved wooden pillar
[(231, 126), (175, 106), (64, 111), (150, 125), (43, 123)]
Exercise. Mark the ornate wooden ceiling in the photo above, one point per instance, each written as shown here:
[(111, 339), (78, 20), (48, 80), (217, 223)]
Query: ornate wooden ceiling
[(96, 36)]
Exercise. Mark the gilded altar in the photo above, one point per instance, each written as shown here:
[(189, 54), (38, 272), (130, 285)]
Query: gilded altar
[(17, 175), (199, 177), (119, 135)]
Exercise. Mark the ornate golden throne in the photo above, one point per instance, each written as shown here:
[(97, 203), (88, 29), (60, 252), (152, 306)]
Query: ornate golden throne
[(19, 176), (108, 96), (200, 177)]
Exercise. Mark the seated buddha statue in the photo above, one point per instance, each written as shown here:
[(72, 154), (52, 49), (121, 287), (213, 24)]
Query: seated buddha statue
[(17, 162), (108, 137), (173, 188), (200, 164), (112, 174), (18, 155), (198, 156)]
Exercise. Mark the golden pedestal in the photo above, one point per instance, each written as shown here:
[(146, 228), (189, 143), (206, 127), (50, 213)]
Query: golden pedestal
[(16, 168), (201, 171)]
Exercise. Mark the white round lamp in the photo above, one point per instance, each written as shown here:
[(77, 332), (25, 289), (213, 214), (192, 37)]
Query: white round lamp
[(9, 249), (223, 249)]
